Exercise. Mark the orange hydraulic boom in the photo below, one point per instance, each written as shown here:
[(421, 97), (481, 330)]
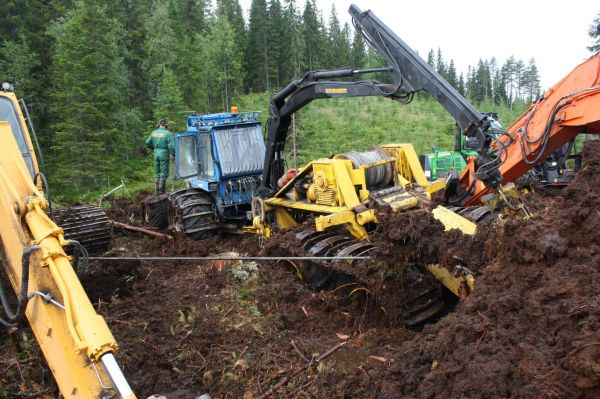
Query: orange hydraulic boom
[(569, 108)]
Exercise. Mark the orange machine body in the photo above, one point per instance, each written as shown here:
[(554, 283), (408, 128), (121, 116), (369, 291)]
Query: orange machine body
[(569, 108)]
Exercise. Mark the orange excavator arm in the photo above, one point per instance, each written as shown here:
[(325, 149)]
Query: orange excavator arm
[(569, 108)]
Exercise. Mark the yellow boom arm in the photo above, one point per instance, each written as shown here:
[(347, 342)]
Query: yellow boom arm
[(75, 340)]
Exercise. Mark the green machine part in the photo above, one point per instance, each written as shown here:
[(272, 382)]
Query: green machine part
[(439, 163)]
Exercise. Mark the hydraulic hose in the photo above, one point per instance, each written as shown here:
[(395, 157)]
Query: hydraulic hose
[(80, 253), (42, 176), (13, 317)]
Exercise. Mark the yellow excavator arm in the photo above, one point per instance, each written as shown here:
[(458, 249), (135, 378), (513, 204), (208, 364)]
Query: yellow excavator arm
[(75, 340)]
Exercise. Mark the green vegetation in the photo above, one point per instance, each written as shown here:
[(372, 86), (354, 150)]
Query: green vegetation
[(97, 75), (334, 126)]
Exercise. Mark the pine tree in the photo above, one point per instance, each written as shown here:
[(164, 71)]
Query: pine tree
[(518, 70), (91, 87), (531, 81), (508, 76)]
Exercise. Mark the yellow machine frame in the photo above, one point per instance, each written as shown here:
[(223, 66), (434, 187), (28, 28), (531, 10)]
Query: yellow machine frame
[(74, 339), (340, 197), (344, 191)]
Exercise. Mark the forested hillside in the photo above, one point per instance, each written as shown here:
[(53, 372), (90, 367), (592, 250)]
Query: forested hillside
[(97, 75)]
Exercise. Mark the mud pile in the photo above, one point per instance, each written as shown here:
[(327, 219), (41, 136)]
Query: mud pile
[(531, 327), (529, 330)]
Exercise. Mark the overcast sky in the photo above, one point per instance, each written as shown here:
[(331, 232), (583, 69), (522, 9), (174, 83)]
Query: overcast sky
[(553, 32)]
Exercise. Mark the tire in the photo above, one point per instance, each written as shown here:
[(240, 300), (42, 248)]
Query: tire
[(194, 214), (156, 211), (159, 216)]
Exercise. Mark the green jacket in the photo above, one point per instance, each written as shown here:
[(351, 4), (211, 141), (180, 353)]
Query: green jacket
[(162, 142)]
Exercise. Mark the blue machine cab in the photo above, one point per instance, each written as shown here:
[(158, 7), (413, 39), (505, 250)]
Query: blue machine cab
[(221, 157)]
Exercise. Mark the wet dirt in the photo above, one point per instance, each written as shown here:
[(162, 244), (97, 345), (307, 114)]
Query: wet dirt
[(530, 329)]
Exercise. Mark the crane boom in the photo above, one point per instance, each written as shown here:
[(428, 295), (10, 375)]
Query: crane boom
[(570, 107), (410, 74)]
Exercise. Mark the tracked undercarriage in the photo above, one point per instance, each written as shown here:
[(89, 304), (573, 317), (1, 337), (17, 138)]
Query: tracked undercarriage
[(408, 294), (87, 224)]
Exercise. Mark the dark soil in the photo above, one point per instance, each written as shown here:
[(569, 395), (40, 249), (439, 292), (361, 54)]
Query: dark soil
[(529, 330)]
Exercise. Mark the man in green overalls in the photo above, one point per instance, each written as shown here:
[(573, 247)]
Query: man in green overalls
[(163, 144)]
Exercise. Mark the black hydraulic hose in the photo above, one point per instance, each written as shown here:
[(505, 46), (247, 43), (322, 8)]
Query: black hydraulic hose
[(43, 172), (80, 253), (35, 138), (46, 190), (13, 317)]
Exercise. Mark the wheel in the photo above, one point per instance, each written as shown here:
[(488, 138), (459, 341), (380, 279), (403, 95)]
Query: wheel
[(194, 214), (156, 211)]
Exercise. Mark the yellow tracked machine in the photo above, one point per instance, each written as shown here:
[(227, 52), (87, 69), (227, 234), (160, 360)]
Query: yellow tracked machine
[(344, 192)]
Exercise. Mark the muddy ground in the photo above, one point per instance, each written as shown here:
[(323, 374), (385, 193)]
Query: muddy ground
[(529, 330)]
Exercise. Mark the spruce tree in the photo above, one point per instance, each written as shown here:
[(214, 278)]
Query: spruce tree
[(440, 64), (499, 85), (17, 65), (358, 56), (451, 75), (224, 62), (313, 37), (168, 102), (163, 46), (91, 88), (232, 10), (293, 43), (277, 34), (345, 47), (257, 48), (332, 50), (461, 85), (431, 58)]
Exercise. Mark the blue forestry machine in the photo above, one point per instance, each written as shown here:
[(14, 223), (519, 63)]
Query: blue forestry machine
[(220, 156)]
